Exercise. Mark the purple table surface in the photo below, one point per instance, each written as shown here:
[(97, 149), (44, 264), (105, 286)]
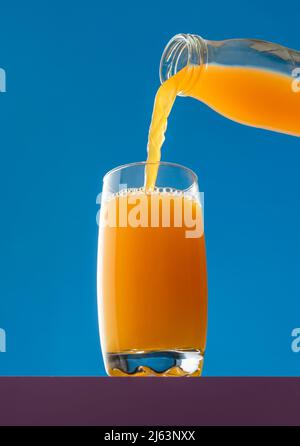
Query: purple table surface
[(149, 401)]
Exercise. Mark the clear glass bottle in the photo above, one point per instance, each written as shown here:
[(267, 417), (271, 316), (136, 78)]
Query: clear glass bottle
[(250, 81)]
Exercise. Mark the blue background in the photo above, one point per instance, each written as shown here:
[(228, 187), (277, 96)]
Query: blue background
[(81, 79)]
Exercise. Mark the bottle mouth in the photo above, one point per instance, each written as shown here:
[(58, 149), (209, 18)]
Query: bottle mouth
[(181, 51)]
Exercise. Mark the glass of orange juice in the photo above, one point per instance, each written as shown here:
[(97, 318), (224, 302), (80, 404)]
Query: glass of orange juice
[(152, 282)]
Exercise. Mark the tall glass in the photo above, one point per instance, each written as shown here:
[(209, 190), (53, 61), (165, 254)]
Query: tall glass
[(152, 284)]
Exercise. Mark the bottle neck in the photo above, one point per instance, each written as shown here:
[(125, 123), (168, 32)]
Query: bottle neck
[(190, 50), (182, 50)]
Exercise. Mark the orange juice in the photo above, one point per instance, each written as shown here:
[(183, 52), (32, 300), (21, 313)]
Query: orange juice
[(152, 280), (250, 96)]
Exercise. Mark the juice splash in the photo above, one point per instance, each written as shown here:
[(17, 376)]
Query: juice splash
[(251, 96)]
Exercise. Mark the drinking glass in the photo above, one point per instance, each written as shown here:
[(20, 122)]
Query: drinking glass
[(151, 275)]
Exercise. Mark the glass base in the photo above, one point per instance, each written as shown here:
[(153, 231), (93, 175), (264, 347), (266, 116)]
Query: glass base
[(155, 363)]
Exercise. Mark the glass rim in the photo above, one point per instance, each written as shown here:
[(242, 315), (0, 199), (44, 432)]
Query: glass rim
[(145, 163)]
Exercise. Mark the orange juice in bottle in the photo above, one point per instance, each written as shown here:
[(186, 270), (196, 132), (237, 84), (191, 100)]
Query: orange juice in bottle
[(252, 82)]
